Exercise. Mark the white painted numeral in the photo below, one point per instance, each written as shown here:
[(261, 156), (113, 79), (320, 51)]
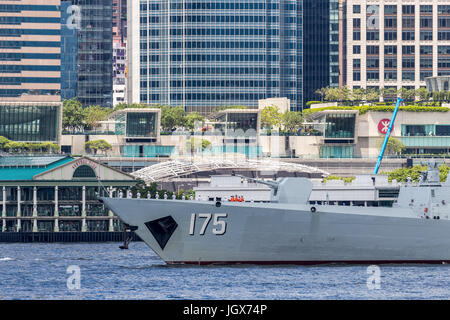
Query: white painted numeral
[(216, 222), (205, 224), (192, 226), (223, 224)]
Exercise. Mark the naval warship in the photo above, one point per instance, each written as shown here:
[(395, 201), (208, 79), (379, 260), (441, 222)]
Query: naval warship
[(288, 230)]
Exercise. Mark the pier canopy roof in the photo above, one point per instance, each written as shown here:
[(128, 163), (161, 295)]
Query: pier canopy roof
[(58, 169), (26, 167), (168, 170)]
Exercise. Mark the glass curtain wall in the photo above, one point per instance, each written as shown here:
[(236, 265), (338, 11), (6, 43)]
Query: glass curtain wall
[(29, 123)]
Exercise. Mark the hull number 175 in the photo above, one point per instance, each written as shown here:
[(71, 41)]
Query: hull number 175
[(220, 226)]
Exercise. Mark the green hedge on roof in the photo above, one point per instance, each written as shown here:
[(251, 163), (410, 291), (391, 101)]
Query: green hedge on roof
[(365, 109)]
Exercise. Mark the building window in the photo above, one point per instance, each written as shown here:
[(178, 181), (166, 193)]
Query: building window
[(84, 172), (373, 75), (408, 76), (390, 75)]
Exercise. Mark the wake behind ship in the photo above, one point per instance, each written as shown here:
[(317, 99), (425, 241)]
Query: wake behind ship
[(288, 230)]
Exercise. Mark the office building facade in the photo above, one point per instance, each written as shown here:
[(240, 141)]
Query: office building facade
[(30, 55), (321, 46), (119, 23), (69, 53), (95, 50), (395, 44), (201, 53)]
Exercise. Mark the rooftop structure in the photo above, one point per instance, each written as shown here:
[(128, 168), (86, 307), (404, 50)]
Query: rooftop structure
[(166, 171), (31, 121), (232, 121), (438, 83)]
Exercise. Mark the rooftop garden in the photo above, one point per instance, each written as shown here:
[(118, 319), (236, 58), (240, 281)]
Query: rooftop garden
[(7, 145), (365, 100), (380, 108)]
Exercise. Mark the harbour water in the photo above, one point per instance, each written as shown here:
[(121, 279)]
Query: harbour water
[(39, 271)]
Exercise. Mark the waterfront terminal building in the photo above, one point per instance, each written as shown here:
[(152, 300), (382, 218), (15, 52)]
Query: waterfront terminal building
[(54, 198)]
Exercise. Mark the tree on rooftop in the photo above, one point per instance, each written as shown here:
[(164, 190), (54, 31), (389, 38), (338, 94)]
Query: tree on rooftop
[(343, 93), (332, 94), (195, 143), (423, 94), (407, 94), (372, 95), (3, 142), (393, 147), (292, 121), (358, 94), (271, 117), (98, 145), (172, 117), (322, 93), (388, 93), (192, 118), (72, 114), (94, 114)]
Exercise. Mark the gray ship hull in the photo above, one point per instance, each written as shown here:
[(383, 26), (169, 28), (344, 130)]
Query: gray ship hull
[(278, 233)]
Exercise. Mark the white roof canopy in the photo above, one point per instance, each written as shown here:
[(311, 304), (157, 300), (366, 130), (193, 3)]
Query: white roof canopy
[(168, 170)]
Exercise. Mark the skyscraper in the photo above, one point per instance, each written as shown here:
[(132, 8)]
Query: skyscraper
[(398, 43), (201, 54), (69, 53), (95, 49), (321, 46), (30, 56), (119, 50)]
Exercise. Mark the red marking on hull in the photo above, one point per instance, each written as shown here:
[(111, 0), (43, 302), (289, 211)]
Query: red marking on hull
[(308, 263)]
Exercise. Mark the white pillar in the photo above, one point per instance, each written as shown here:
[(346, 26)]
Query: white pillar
[(19, 225), (83, 210), (4, 202), (18, 202), (83, 207), (111, 225), (34, 201), (4, 225), (56, 227), (56, 214), (35, 227)]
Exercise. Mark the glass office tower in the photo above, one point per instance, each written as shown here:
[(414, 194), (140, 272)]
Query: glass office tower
[(321, 46), (205, 53), (95, 49), (69, 49)]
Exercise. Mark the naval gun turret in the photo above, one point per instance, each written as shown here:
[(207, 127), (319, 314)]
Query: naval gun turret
[(286, 190)]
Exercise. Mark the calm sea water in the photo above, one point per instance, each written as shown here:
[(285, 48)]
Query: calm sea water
[(39, 271)]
